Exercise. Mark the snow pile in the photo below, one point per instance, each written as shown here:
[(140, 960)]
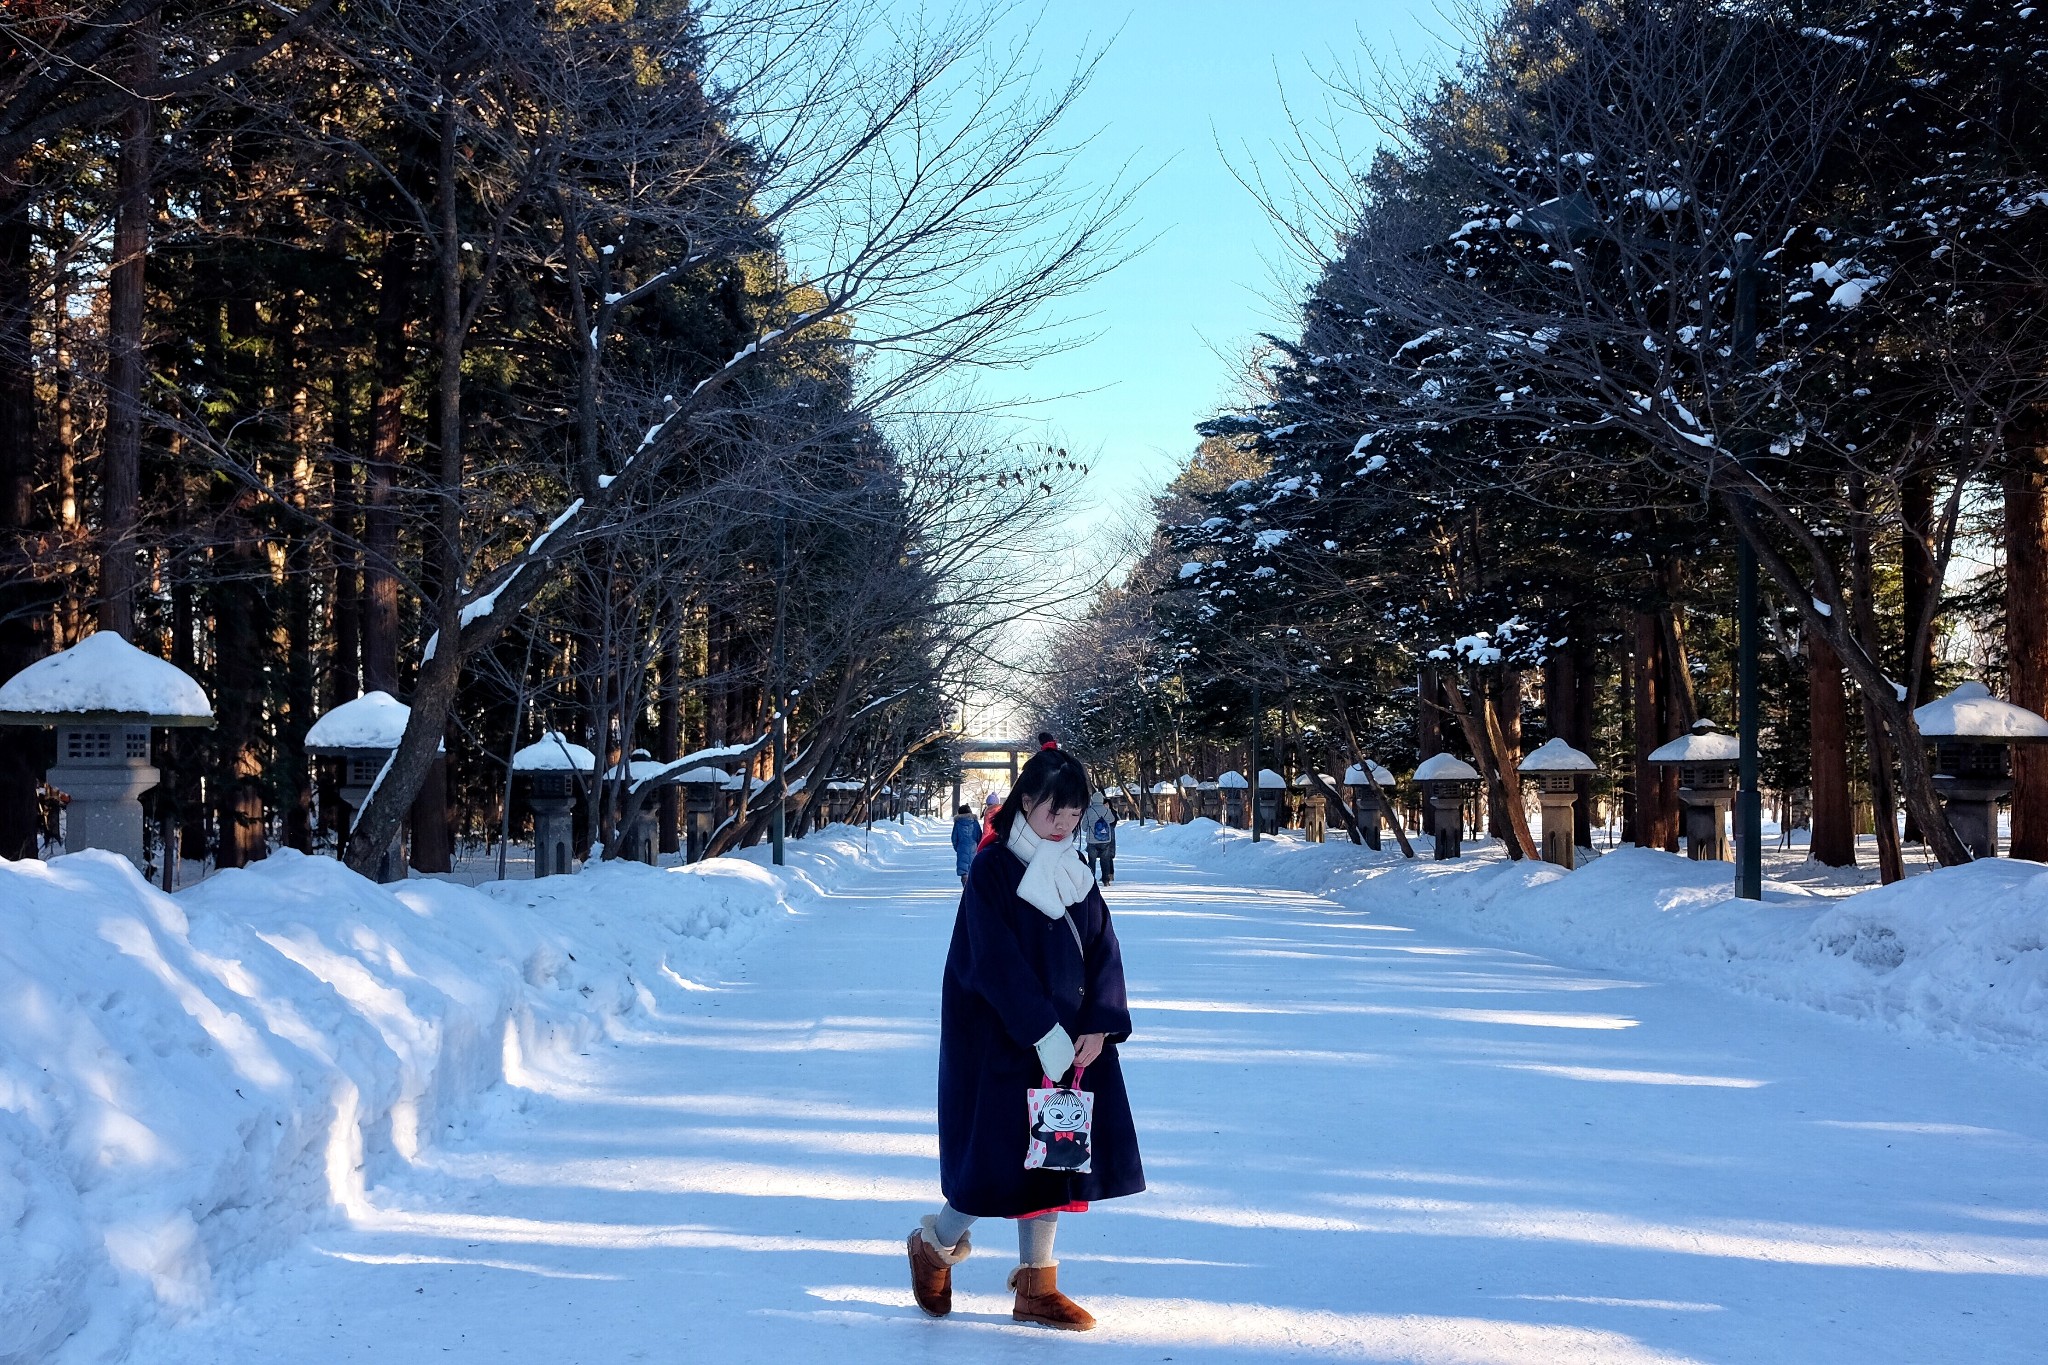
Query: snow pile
[(1959, 954), (188, 1083)]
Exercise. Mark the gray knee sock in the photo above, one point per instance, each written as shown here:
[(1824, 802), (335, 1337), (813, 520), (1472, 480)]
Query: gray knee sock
[(951, 1225), (1034, 1239)]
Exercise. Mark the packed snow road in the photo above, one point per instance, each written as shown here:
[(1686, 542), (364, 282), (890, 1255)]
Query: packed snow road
[(1366, 1141)]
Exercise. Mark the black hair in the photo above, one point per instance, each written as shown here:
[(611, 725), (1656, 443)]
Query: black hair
[(1046, 741), (964, 810), (1049, 775)]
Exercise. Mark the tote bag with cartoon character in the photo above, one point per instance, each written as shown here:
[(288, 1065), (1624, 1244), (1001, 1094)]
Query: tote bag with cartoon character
[(1062, 1118)]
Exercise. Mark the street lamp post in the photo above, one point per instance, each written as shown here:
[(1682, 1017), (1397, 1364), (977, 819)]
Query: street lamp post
[(1258, 750), (1749, 801), (777, 816), (1575, 216)]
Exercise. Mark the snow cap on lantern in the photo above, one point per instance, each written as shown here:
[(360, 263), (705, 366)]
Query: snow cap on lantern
[(1445, 768)]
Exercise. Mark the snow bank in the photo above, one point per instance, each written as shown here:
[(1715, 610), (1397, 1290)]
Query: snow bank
[(1957, 954), (189, 1082)]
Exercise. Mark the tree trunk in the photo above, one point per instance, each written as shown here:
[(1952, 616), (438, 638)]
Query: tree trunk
[(1656, 798), (241, 633), (301, 648), (24, 597), (2026, 633), (1878, 747), (1483, 732), (1505, 696), (345, 663), (670, 739), (380, 491), (1834, 828), (121, 452), (1681, 708), (70, 622), (411, 773), (1568, 710), (1922, 595), (1429, 729)]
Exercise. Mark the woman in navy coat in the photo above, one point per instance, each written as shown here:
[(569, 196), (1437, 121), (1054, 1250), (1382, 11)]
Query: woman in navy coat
[(1034, 983)]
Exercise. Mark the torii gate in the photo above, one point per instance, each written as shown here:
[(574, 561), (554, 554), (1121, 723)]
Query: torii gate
[(971, 757)]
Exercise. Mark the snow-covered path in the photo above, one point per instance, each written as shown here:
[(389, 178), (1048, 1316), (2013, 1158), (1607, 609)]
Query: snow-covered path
[(1366, 1141)]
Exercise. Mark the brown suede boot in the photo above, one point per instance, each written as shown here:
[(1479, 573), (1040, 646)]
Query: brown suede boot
[(1039, 1300), (931, 1267)]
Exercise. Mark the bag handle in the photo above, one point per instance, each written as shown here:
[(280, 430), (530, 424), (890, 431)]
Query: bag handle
[(1051, 1084), (1075, 930)]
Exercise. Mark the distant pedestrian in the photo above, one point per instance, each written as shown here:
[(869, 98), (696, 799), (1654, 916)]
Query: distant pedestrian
[(1046, 741), (988, 816), (1098, 828), (966, 838), (1034, 986)]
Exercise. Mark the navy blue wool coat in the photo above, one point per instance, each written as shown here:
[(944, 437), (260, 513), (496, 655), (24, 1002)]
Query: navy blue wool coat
[(1010, 976)]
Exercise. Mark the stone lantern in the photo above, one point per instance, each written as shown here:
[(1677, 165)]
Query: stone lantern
[(1973, 733), (842, 794), (1272, 787), (641, 841), (1366, 781), (1447, 783), (1315, 807), (363, 734), (1706, 758), (740, 790), (1165, 802), (1235, 790), (102, 696), (1209, 801), (1190, 797), (1554, 766), (701, 787), (552, 767)]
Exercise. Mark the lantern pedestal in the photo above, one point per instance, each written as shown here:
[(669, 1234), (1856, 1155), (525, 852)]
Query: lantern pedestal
[(358, 775), (1972, 806), (553, 798), (1313, 814), (1559, 796), (1446, 803), (104, 769), (1706, 823)]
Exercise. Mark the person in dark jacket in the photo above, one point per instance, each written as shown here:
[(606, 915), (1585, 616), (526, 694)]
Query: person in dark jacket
[(966, 838), (1034, 987)]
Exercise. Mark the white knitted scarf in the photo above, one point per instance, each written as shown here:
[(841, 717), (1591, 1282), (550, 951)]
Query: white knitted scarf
[(1054, 875)]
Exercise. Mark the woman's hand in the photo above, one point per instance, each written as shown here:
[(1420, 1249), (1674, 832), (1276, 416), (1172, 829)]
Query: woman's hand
[(1088, 1047)]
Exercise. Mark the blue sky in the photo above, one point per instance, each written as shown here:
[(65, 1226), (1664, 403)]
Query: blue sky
[(1181, 78)]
